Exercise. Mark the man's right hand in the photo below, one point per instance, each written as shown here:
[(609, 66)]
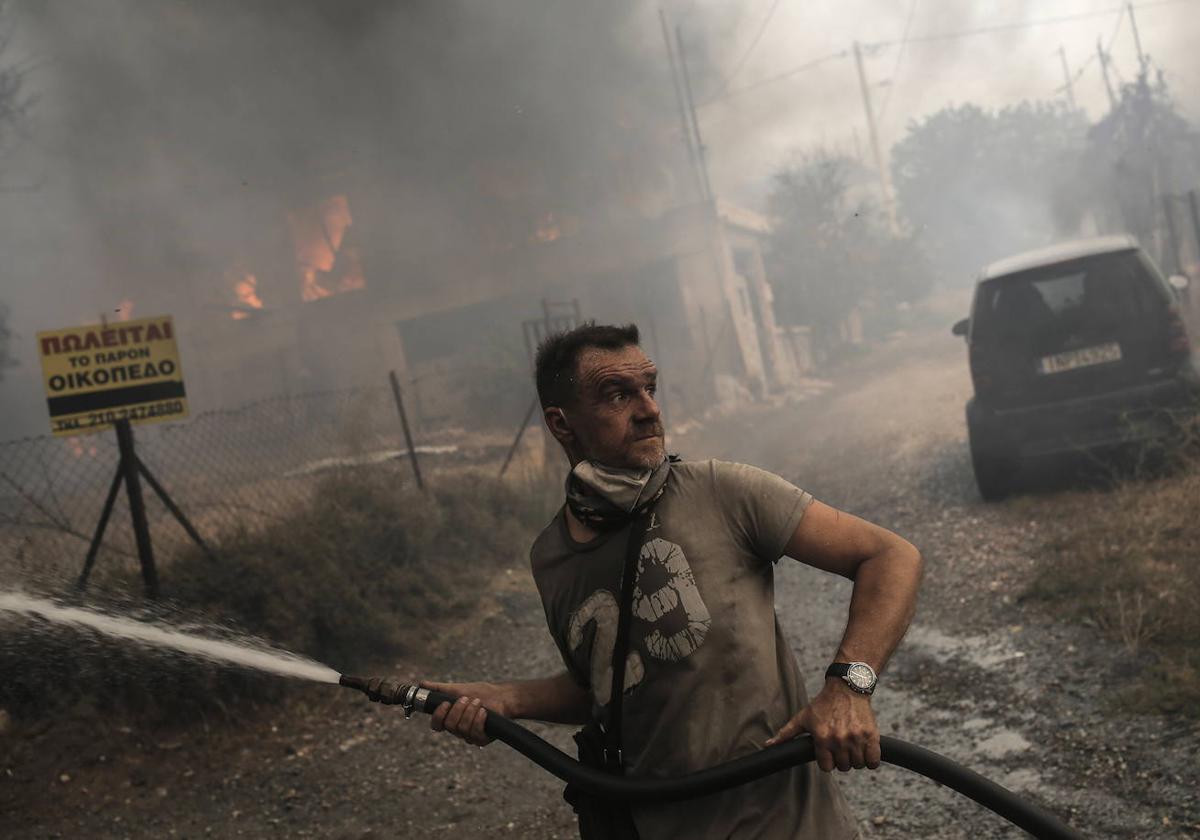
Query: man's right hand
[(465, 717)]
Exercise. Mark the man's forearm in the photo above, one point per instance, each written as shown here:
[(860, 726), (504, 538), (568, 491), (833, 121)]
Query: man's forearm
[(557, 699), (882, 605)]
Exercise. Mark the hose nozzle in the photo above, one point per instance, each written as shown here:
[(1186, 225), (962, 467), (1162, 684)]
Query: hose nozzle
[(390, 692)]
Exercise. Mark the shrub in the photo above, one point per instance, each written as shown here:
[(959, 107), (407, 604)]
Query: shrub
[(347, 578), (342, 578), (1129, 562)]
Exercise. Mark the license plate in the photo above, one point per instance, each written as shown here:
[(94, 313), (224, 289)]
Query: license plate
[(1083, 357)]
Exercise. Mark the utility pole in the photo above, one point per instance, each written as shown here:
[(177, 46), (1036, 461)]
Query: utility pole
[(1137, 40), (687, 89), (874, 135), (693, 163), (1112, 99), (1068, 85)]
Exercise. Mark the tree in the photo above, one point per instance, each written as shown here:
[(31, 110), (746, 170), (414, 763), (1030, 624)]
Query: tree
[(830, 249), (980, 185), (1142, 149)]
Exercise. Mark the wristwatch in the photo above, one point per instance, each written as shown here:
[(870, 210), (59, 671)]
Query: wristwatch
[(858, 675)]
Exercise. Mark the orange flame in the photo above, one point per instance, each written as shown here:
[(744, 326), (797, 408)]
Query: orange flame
[(319, 232), (78, 450), (547, 230), (124, 310), (246, 292)]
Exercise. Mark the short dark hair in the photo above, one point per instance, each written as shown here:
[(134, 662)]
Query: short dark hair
[(558, 357)]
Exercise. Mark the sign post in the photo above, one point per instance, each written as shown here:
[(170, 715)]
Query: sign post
[(128, 468), (112, 376)]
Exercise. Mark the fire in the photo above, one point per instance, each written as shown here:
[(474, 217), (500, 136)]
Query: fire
[(328, 264), (550, 227), (310, 286), (246, 292), (546, 230), (75, 444)]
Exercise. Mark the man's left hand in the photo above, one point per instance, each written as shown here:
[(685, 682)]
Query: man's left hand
[(842, 725)]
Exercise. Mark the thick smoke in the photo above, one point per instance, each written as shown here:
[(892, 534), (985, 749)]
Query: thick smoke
[(173, 139)]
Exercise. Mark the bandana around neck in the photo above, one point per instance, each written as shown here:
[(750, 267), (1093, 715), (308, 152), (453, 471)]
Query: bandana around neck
[(608, 497)]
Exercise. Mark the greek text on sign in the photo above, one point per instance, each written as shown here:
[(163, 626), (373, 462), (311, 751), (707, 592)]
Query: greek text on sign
[(97, 375)]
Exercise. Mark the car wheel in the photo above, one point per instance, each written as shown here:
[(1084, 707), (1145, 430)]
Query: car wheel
[(993, 475), (994, 470)]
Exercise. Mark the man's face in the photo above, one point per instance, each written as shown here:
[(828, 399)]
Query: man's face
[(615, 419)]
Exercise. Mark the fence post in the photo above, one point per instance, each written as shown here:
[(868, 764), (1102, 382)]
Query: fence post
[(137, 506), (512, 450), (1195, 221), (408, 441), (1176, 264)]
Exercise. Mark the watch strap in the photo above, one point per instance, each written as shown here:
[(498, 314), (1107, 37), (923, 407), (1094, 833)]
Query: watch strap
[(837, 669)]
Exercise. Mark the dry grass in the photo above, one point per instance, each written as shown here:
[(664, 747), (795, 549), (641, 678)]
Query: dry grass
[(1129, 563), (345, 575), (355, 574)]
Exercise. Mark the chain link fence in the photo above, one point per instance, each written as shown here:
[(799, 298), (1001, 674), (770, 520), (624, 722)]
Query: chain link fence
[(228, 471)]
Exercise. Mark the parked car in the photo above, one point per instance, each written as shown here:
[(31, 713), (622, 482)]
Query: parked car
[(1079, 346)]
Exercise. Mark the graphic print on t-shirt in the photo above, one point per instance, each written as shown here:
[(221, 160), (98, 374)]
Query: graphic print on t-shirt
[(665, 598), (601, 607)]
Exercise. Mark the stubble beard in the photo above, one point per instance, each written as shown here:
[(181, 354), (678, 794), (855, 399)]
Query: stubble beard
[(648, 460)]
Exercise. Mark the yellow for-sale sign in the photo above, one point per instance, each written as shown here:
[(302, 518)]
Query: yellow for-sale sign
[(97, 375)]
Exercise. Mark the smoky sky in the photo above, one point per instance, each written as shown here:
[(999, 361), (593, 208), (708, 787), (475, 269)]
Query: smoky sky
[(752, 134), (167, 131), (177, 127), (170, 139)]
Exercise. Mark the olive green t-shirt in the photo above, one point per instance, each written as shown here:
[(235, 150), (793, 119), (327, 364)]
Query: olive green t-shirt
[(709, 676)]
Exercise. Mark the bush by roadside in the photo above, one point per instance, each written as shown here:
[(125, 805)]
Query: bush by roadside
[(346, 578), (1128, 561), (358, 573)]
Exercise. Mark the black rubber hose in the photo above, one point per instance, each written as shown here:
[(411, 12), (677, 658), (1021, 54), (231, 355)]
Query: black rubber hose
[(770, 760)]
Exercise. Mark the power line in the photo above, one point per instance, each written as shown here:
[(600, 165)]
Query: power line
[(943, 36), (887, 96), (1028, 24), (1112, 39), (787, 74), (1076, 76), (753, 43)]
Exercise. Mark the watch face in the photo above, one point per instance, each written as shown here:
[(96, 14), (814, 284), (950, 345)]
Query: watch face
[(861, 676)]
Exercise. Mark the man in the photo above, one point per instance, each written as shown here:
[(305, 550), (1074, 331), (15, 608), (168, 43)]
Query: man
[(709, 676)]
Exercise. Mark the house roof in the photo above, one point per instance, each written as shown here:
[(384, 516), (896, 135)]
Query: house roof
[(1061, 252)]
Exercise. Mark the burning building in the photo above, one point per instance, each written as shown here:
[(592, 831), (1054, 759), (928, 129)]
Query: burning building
[(378, 187)]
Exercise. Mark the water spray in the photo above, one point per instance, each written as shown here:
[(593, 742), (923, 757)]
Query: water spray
[(243, 652), (998, 799)]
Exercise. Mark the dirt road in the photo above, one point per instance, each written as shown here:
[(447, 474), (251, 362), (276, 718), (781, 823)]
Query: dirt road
[(983, 676)]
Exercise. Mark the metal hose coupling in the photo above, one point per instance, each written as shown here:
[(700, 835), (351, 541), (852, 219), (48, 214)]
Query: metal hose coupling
[(390, 692)]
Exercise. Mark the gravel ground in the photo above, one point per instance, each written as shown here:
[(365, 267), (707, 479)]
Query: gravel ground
[(983, 676)]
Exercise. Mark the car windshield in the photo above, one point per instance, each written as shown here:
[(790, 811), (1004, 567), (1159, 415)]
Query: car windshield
[(1092, 291)]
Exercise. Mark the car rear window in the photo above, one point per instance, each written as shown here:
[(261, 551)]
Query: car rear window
[(1106, 287)]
